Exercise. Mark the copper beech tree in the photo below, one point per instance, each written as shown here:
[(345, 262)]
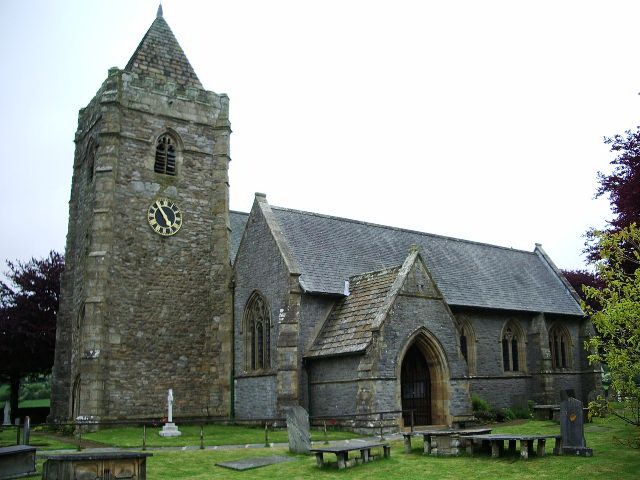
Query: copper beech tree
[(29, 302), (622, 186)]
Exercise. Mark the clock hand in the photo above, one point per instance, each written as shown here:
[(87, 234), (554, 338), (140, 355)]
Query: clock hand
[(164, 215)]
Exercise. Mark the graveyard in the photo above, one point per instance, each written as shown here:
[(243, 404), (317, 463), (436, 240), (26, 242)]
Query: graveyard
[(611, 458)]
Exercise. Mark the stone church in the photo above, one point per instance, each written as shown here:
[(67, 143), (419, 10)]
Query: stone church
[(244, 314)]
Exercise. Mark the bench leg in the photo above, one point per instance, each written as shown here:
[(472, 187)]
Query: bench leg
[(524, 449), (512, 446), (342, 459), (364, 455), (497, 446), (469, 446), (427, 444), (407, 444), (541, 447), (320, 459), (387, 450), (557, 450)]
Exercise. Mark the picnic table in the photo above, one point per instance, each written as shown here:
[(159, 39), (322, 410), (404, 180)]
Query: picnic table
[(442, 441), (496, 443), (342, 450)]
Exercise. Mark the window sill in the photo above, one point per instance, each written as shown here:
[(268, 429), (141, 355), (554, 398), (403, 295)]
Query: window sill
[(257, 373)]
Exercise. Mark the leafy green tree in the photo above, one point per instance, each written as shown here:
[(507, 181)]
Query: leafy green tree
[(28, 311), (617, 321)]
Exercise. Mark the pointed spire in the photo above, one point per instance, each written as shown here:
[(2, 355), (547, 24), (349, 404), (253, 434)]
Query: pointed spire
[(160, 57), (159, 14)]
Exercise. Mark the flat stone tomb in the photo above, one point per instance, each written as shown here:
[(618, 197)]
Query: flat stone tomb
[(17, 461), (96, 465), (496, 443), (442, 441), (257, 462), (342, 450)]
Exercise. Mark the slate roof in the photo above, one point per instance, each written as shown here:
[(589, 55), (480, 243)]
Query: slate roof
[(237, 222), (348, 328), (330, 250), (160, 57)]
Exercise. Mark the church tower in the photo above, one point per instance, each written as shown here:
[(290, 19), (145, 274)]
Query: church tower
[(146, 299)]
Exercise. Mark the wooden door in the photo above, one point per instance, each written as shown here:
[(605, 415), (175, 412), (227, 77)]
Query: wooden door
[(416, 388)]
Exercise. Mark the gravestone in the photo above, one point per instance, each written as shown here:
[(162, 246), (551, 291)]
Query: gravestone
[(249, 463), (566, 394), (26, 432), (7, 413), (572, 428), (298, 429), (170, 429)]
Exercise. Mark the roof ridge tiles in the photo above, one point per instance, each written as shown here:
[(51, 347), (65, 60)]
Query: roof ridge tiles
[(399, 229)]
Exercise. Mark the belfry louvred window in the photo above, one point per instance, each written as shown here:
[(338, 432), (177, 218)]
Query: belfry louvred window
[(165, 155)]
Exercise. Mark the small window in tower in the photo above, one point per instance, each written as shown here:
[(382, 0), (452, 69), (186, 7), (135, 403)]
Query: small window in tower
[(165, 155)]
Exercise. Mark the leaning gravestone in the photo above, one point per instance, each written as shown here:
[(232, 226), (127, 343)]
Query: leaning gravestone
[(572, 429), (298, 429)]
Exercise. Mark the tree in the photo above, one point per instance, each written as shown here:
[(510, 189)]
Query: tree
[(580, 278), (29, 304), (622, 186), (617, 321)]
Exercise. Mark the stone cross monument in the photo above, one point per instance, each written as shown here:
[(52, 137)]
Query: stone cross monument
[(170, 429)]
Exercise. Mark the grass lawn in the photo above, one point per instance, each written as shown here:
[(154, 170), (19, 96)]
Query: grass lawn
[(213, 435), (611, 461), (41, 440), (43, 402)]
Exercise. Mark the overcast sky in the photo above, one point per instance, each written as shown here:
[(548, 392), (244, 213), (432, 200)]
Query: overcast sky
[(480, 120)]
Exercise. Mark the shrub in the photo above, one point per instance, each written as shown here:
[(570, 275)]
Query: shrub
[(480, 404)]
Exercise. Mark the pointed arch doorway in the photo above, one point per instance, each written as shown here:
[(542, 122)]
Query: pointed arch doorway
[(416, 388)]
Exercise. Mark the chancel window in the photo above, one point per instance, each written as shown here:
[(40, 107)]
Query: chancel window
[(165, 155), (467, 340), (257, 327), (513, 354), (560, 346)]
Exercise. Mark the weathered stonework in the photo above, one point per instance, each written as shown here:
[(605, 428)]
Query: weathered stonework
[(142, 313)]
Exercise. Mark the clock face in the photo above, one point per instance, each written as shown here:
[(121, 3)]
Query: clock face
[(165, 217)]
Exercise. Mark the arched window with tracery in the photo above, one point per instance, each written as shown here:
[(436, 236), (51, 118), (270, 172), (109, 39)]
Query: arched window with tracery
[(513, 348), (75, 398), (467, 339), (560, 346), (166, 153), (257, 329)]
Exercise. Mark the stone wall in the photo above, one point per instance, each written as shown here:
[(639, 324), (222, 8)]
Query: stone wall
[(501, 388), (259, 267)]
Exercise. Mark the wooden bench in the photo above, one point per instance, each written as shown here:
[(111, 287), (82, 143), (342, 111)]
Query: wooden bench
[(496, 443), (449, 438), (342, 450)]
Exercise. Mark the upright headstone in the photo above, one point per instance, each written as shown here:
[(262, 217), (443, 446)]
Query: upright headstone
[(572, 428), (26, 431), (566, 394), (170, 429), (298, 429), (7, 413)]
